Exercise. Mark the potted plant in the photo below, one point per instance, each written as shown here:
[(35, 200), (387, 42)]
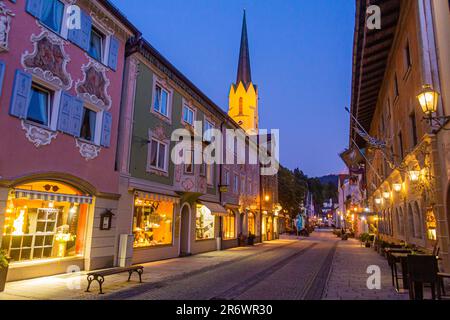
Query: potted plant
[(4, 265), (251, 239)]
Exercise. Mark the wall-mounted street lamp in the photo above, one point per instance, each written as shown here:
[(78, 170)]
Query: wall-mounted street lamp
[(267, 198), (386, 195), (428, 100), (378, 201), (397, 187), (414, 175)]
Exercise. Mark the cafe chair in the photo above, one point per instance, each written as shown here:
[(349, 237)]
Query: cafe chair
[(422, 269)]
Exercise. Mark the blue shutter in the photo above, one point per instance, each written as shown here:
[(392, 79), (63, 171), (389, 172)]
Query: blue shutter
[(106, 129), (113, 53), (76, 117), (82, 37), (20, 97), (2, 75), (65, 108), (34, 7)]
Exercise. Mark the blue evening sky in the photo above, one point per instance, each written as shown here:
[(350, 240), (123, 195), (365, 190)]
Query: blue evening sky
[(301, 58)]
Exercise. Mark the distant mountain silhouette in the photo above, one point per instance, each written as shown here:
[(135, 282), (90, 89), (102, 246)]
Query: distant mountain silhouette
[(333, 178)]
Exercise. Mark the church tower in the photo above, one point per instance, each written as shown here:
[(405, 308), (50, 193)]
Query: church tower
[(243, 97)]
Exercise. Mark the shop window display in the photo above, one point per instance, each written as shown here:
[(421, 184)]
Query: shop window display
[(229, 226), (44, 225), (204, 223), (152, 223)]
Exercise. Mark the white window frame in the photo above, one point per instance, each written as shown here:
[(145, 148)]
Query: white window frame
[(98, 123), (227, 177), (55, 101), (163, 85), (151, 168), (212, 124), (188, 106), (236, 183)]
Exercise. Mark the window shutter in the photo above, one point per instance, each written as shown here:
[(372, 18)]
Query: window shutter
[(82, 37), (65, 107), (2, 75), (34, 7), (86, 27), (106, 129), (20, 97), (76, 116), (113, 53)]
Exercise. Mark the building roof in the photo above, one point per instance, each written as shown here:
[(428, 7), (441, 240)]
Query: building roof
[(244, 73), (371, 50), (119, 15)]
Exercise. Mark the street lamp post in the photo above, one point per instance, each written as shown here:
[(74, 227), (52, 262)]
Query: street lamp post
[(428, 100)]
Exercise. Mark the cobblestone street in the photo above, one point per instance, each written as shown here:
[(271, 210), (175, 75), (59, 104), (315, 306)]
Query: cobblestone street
[(318, 267)]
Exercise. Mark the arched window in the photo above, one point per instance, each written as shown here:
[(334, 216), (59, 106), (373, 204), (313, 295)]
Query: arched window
[(417, 221), (241, 106), (411, 228)]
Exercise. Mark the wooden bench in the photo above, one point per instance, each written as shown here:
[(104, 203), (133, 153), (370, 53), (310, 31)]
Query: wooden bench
[(99, 276)]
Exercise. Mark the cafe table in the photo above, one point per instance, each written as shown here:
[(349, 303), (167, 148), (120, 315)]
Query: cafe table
[(399, 255)]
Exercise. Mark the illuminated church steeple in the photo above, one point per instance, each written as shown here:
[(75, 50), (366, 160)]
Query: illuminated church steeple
[(243, 96)]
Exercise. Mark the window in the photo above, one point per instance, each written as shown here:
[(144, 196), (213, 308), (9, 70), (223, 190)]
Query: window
[(400, 145), (210, 174), (204, 223), (412, 120), (242, 184), (96, 45), (236, 184), (188, 115), (40, 107), (251, 223), (208, 131), (161, 101), (189, 163), (229, 226), (39, 228), (408, 62), (227, 178), (52, 14), (152, 223), (158, 155), (396, 91), (88, 125), (241, 106)]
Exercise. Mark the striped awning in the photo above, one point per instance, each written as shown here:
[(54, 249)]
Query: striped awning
[(49, 196), (156, 197), (215, 208)]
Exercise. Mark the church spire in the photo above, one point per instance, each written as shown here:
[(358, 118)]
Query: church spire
[(244, 74)]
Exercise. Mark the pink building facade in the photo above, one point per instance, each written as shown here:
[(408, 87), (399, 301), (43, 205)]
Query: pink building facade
[(60, 92)]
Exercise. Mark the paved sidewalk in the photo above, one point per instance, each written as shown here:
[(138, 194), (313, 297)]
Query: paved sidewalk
[(348, 275), (57, 287)]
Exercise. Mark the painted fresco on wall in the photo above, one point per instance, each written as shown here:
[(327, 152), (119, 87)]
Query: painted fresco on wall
[(48, 60), (94, 86)]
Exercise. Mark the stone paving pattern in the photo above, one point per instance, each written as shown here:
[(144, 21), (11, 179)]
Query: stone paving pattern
[(319, 267)]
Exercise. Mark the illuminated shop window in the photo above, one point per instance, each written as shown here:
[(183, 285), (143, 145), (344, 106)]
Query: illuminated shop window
[(229, 226), (251, 224), (45, 220), (204, 223), (152, 223)]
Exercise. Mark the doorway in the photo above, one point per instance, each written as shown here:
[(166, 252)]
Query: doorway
[(185, 231)]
